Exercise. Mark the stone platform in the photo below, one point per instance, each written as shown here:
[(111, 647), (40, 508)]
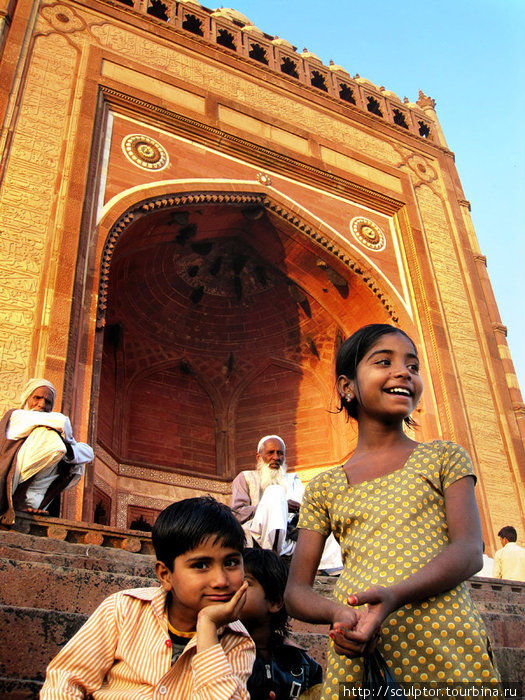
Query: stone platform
[(53, 573)]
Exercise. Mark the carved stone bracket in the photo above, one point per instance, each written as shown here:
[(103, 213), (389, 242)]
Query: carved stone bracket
[(500, 328)]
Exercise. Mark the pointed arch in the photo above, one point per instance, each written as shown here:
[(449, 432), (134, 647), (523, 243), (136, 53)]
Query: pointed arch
[(322, 290)]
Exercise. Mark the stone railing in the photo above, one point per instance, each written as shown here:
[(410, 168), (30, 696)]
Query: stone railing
[(76, 532), (234, 32)]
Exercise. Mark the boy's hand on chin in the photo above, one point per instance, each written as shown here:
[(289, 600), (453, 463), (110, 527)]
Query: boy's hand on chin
[(222, 613)]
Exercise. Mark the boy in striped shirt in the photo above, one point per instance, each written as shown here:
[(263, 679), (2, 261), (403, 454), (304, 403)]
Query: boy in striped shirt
[(180, 640)]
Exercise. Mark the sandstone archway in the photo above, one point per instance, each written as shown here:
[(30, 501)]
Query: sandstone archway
[(221, 320)]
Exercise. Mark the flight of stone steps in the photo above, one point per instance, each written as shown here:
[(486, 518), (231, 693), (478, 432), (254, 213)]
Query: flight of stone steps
[(53, 574)]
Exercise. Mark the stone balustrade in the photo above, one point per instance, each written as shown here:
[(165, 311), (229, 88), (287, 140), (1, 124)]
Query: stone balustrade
[(134, 541)]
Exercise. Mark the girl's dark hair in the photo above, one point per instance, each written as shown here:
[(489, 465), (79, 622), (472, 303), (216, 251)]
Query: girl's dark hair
[(271, 572), (352, 352), (184, 525)]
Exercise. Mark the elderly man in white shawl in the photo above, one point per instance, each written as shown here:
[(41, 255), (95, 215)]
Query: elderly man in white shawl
[(39, 457), (266, 499)]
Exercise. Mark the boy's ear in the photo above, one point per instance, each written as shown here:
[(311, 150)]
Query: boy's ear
[(345, 387), (163, 574), (274, 607)]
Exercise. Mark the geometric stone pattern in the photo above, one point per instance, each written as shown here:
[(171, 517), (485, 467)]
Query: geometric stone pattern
[(490, 446)]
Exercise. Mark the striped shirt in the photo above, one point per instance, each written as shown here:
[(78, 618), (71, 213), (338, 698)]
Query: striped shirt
[(123, 652)]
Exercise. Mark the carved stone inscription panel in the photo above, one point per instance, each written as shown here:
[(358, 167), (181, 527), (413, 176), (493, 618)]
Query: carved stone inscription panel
[(27, 201)]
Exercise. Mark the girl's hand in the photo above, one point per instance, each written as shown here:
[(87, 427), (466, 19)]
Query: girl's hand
[(341, 633), (222, 613), (380, 603)]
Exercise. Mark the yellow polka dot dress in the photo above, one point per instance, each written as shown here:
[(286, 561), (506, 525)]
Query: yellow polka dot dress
[(388, 528)]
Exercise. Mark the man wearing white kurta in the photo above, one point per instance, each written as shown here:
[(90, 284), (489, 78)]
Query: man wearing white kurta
[(39, 457), (266, 498), (509, 562)]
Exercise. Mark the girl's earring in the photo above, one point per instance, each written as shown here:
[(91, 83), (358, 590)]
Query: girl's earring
[(349, 397)]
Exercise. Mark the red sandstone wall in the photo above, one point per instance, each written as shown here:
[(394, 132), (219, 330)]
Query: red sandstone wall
[(167, 420)]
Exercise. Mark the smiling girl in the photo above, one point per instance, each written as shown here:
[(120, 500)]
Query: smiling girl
[(406, 518)]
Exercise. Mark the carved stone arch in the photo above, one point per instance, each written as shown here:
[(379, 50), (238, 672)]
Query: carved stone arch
[(180, 361), (144, 207), (187, 407), (290, 290), (292, 215)]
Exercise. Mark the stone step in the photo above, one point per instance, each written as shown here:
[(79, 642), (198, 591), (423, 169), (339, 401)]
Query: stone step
[(505, 630), (50, 584), (493, 594), (31, 637), (489, 594), (511, 665), (14, 545), (19, 689), (61, 588), (41, 633)]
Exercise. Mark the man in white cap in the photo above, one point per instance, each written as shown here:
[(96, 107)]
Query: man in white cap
[(265, 500), (39, 457)]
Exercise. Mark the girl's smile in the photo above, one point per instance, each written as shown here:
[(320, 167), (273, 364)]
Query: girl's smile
[(388, 381)]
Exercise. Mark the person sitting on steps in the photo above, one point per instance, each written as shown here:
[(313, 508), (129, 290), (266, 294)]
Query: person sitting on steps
[(39, 457)]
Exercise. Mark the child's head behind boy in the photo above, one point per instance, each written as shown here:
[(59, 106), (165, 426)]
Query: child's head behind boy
[(199, 545), (281, 670), (264, 614)]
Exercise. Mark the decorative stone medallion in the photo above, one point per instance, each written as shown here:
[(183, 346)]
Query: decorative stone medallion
[(224, 268), (422, 168), (145, 152), (264, 179), (367, 233)]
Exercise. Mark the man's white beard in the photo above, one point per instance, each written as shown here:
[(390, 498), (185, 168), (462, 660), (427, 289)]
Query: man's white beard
[(270, 476), (35, 408)]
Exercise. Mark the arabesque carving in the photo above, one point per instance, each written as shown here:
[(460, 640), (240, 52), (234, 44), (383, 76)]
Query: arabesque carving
[(27, 201)]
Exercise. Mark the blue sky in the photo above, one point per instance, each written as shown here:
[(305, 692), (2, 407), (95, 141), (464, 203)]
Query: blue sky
[(468, 55)]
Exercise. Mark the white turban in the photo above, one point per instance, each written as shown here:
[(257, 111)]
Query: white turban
[(269, 437), (33, 384)]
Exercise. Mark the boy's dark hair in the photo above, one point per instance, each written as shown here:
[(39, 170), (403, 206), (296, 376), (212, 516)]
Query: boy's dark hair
[(184, 525), (352, 352), (509, 533), (268, 569)]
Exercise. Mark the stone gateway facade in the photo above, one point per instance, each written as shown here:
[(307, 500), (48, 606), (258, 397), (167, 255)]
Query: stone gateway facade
[(193, 216)]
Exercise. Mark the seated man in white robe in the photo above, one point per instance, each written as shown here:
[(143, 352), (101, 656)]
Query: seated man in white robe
[(39, 457), (265, 500)]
